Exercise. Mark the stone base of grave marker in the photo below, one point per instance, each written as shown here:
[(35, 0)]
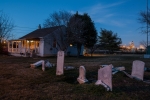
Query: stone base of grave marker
[(82, 75)]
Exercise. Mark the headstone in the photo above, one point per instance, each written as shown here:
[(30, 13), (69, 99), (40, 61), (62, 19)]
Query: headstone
[(117, 69), (82, 75), (60, 63), (101, 66), (120, 68), (39, 63), (138, 69), (43, 65), (105, 77), (48, 64), (69, 67)]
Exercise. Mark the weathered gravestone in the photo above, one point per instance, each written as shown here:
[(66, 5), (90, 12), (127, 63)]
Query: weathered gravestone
[(105, 77), (138, 69), (48, 64), (82, 75), (117, 69), (114, 69), (69, 67), (60, 63), (39, 63)]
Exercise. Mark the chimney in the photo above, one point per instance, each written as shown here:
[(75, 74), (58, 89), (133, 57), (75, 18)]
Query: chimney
[(39, 26)]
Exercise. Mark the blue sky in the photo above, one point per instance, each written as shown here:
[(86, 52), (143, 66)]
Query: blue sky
[(120, 16)]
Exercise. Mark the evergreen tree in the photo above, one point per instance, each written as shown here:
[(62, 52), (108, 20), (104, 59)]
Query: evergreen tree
[(109, 40), (81, 31)]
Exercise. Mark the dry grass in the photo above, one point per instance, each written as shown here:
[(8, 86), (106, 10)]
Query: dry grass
[(19, 82)]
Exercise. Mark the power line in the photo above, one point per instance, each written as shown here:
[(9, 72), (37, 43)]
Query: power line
[(25, 27)]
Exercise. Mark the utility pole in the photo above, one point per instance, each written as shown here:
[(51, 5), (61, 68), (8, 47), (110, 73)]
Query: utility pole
[(147, 23)]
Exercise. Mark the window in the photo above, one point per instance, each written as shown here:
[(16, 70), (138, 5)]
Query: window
[(54, 43)]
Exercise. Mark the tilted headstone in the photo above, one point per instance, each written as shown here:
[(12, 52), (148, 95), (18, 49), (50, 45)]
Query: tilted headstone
[(60, 63), (117, 69), (105, 77), (69, 67), (120, 68), (138, 69), (39, 63), (48, 64), (82, 75)]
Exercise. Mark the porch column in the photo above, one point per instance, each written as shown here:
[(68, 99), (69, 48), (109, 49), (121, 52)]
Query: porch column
[(12, 46), (20, 47), (8, 45), (25, 42), (35, 46), (16, 46), (29, 46)]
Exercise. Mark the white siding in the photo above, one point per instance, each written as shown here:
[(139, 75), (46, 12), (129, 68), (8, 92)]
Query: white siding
[(41, 46)]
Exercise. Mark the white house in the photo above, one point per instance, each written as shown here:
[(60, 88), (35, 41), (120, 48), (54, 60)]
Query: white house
[(44, 42)]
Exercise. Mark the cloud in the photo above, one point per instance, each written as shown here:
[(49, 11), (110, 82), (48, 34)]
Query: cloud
[(105, 13), (101, 8)]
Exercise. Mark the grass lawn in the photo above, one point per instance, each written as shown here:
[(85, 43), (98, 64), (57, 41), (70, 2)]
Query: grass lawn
[(20, 82)]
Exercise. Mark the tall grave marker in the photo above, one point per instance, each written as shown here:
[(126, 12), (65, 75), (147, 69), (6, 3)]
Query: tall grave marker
[(60, 63), (105, 77), (138, 69)]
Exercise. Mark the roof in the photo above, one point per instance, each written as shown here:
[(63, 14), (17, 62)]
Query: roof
[(40, 33)]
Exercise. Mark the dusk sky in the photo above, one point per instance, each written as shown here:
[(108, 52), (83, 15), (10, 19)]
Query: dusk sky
[(120, 16)]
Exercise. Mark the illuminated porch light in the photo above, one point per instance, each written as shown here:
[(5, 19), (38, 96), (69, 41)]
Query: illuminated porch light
[(31, 40), (70, 45), (27, 41)]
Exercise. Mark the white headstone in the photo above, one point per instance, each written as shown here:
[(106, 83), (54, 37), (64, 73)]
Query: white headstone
[(39, 63), (69, 67), (138, 69), (120, 68), (82, 75), (105, 77), (60, 63), (43, 65), (48, 64)]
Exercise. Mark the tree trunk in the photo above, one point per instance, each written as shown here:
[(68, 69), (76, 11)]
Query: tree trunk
[(78, 49)]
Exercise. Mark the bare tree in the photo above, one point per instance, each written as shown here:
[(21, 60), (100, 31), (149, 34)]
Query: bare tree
[(145, 18), (6, 26), (59, 18), (144, 43)]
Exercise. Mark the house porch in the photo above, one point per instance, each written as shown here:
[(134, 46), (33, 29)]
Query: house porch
[(23, 47)]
